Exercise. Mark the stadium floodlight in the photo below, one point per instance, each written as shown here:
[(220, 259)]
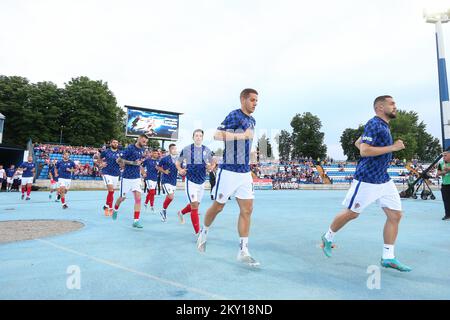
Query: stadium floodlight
[(438, 18)]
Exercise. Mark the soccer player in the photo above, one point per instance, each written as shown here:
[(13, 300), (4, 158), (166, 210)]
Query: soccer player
[(372, 182), (169, 175), (29, 169), (110, 173), (10, 177), (199, 160), (131, 158), (53, 179), (64, 170), (151, 178), (234, 176)]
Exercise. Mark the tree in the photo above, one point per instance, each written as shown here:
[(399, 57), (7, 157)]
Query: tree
[(264, 147), (284, 145), (14, 105), (348, 139), (90, 115), (307, 139)]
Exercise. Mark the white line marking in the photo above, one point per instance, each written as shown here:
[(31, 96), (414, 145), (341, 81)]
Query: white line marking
[(142, 274)]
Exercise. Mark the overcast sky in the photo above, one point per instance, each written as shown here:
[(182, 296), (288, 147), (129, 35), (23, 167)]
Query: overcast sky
[(331, 58)]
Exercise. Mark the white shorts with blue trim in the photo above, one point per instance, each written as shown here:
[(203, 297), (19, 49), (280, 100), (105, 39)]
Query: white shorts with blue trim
[(231, 183), (9, 180), (110, 180), (151, 184), (168, 188), (130, 185), (362, 194), (194, 191)]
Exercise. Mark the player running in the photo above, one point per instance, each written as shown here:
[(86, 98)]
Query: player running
[(64, 171), (53, 179), (234, 177), (29, 169), (131, 158), (151, 178), (199, 160), (372, 182), (110, 173), (10, 177), (169, 175)]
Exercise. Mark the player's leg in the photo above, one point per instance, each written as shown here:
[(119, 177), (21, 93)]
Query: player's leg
[(359, 196), (137, 209), (29, 186), (23, 188), (170, 194), (210, 216), (392, 207)]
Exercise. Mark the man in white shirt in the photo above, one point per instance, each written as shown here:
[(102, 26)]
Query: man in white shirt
[(2, 176)]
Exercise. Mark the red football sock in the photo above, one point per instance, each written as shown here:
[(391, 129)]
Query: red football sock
[(152, 196), (187, 209), (28, 191), (110, 199), (167, 202), (116, 207), (136, 215), (63, 200), (149, 194), (23, 189), (195, 220)]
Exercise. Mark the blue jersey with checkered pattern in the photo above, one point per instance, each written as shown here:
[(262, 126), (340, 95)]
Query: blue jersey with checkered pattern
[(112, 167), (168, 162), (196, 160), (132, 153), (150, 167), (374, 169), (236, 154)]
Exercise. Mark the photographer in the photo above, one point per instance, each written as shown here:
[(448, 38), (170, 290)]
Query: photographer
[(444, 172)]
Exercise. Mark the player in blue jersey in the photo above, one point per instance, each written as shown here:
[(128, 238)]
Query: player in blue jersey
[(53, 178), (10, 177), (199, 161), (131, 158), (234, 176), (169, 175), (64, 171), (29, 169), (151, 178), (372, 182), (110, 173)]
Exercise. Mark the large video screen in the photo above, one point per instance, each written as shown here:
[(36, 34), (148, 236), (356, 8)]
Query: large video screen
[(155, 123)]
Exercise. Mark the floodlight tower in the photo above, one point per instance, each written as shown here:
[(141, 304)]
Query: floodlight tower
[(438, 18)]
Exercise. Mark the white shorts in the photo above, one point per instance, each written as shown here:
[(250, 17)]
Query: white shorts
[(110, 180), (151, 184), (64, 183), (27, 180), (169, 189), (9, 180), (231, 183), (362, 194), (130, 185), (194, 191)]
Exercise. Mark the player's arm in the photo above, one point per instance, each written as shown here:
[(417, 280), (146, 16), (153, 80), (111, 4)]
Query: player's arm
[(222, 135), (358, 143), (366, 150), (161, 169), (181, 171), (128, 162)]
